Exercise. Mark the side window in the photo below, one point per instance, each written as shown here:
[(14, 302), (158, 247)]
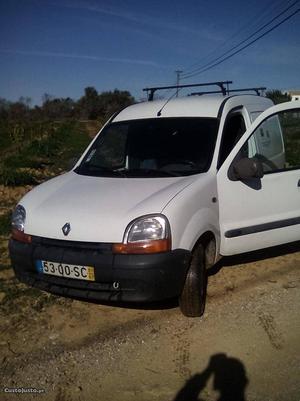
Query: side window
[(276, 142), (254, 115), (233, 130)]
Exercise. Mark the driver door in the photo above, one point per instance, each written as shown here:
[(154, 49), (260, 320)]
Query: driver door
[(262, 212)]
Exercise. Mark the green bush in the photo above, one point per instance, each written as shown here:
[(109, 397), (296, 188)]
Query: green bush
[(22, 160), (11, 177), (5, 139), (5, 223), (44, 144)]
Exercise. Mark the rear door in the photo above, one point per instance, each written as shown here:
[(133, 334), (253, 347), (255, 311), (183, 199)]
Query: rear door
[(260, 213)]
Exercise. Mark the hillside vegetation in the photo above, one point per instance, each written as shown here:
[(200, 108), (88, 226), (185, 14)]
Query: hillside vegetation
[(36, 142)]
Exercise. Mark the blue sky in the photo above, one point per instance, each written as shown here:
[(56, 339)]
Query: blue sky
[(61, 46)]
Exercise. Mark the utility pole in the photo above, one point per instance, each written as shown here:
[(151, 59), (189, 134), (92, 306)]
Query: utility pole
[(178, 72)]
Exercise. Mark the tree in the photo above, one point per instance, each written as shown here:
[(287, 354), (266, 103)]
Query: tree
[(92, 105), (277, 96), (111, 102), (25, 100), (101, 106), (18, 110), (4, 108), (87, 105), (58, 108)]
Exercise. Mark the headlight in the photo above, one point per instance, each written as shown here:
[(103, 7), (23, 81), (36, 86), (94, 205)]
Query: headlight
[(18, 224), (146, 229), (18, 218), (147, 234)]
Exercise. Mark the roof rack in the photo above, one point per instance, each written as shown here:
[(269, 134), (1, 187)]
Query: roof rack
[(220, 84), (228, 91)]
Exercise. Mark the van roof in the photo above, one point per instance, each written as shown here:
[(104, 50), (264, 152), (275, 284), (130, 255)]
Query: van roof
[(209, 106)]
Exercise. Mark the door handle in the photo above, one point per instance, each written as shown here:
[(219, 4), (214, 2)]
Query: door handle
[(298, 183)]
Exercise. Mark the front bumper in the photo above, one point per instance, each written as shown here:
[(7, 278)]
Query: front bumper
[(140, 278)]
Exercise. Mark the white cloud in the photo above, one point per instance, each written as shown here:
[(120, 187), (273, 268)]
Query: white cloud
[(83, 57), (142, 19)]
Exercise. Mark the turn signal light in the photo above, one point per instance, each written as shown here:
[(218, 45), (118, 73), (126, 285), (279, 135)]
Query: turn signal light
[(142, 247), (20, 236)]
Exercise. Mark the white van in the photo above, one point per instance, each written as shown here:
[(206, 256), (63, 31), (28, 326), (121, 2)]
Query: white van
[(162, 192)]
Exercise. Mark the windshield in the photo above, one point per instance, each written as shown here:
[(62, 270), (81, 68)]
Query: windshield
[(160, 147)]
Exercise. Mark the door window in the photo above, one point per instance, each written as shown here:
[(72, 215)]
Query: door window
[(276, 142), (233, 130)]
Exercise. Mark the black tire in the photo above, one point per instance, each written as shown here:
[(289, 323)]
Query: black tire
[(193, 296)]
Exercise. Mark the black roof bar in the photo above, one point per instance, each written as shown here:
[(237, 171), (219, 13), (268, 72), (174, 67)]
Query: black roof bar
[(207, 93), (228, 91), (257, 90), (152, 90)]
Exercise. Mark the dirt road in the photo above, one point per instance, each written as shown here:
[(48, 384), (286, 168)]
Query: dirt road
[(245, 347)]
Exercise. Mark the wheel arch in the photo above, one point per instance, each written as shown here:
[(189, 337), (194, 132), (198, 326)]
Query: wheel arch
[(210, 243)]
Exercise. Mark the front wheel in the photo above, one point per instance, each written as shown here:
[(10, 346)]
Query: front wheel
[(193, 296)]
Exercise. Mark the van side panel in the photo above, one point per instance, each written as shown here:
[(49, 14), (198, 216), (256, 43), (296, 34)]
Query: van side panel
[(193, 212)]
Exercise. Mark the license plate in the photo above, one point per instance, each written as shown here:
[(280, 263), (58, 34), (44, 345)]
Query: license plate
[(66, 270)]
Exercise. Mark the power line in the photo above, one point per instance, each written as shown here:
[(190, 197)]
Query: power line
[(203, 69), (242, 42), (257, 17)]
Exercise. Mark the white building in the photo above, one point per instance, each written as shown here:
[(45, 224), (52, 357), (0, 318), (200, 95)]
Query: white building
[(295, 94)]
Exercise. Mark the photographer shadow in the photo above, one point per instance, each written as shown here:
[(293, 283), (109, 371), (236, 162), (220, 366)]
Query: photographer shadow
[(229, 379)]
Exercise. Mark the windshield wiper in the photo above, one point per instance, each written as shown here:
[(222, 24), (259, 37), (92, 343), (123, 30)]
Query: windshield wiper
[(96, 169), (148, 171)]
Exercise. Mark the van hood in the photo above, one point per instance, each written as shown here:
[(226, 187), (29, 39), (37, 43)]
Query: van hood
[(97, 208)]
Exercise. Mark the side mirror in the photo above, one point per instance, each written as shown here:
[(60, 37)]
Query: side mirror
[(245, 169)]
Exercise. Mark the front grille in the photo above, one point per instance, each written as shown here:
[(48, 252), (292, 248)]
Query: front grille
[(96, 246)]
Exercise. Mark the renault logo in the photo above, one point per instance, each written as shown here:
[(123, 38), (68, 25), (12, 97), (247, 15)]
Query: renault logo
[(66, 229)]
